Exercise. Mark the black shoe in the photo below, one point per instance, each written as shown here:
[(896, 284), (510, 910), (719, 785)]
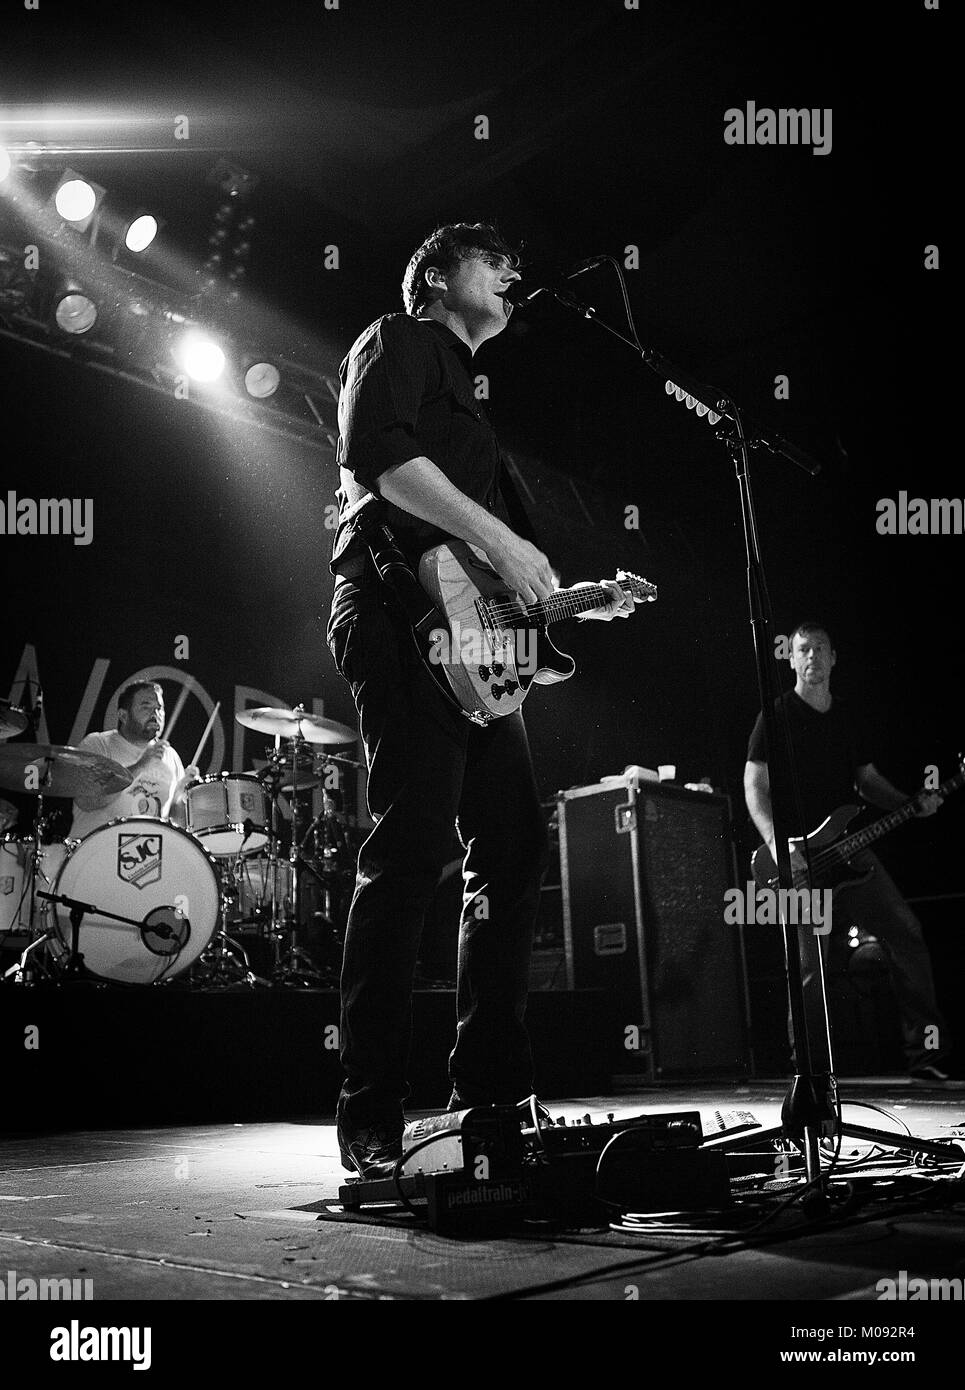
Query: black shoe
[(372, 1152), (935, 1077)]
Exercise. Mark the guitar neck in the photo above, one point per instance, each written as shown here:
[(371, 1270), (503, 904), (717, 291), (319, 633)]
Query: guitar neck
[(566, 603), (862, 838)]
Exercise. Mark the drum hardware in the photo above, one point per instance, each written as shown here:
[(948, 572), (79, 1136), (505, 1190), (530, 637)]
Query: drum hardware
[(296, 966), (224, 961)]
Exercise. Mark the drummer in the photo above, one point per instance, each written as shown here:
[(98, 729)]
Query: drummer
[(160, 779)]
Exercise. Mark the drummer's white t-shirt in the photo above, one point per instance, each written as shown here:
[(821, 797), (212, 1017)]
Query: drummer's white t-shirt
[(150, 794)]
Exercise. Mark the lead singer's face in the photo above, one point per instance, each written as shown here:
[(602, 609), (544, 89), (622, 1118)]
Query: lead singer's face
[(475, 288)]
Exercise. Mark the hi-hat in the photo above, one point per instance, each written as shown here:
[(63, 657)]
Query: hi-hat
[(57, 770), (12, 719), (304, 765), (295, 723)]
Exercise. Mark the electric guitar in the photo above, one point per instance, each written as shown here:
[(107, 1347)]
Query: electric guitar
[(831, 850), (486, 647)]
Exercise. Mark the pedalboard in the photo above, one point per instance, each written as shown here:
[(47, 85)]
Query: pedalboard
[(492, 1167)]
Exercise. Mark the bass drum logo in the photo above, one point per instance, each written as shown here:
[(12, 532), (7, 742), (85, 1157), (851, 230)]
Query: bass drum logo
[(139, 859)]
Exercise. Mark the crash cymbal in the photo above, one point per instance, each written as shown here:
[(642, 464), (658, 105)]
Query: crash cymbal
[(12, 719), (60, 770), (295, 723)]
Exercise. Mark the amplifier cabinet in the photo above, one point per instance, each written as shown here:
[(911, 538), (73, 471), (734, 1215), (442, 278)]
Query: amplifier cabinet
[(644, 869)]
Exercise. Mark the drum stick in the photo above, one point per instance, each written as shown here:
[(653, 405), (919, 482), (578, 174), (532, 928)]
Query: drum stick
[(204, 736), (181, 701)]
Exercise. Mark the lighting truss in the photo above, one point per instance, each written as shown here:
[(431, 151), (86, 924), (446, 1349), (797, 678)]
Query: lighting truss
[(303, 409)]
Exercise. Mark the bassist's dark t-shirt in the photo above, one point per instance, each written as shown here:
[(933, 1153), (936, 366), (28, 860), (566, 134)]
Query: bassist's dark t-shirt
[(829, 747)]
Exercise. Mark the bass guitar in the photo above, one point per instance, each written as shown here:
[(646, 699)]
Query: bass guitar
[(831, 850)]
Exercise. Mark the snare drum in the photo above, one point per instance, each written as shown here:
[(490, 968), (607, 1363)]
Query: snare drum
[(219, 806), (153, 872)]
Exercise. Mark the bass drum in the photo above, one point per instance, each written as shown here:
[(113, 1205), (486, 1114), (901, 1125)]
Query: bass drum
[(148, 870)]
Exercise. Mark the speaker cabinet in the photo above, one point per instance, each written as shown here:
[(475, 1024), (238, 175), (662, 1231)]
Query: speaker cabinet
[(644, 869)]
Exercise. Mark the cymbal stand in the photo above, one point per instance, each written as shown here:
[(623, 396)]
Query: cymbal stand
[(42, 938), (328, 833), (271, 780), (296, 966)]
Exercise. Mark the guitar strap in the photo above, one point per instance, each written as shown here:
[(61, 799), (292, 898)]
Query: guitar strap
[(399, 577)]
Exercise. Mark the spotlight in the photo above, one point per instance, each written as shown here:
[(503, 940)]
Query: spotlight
[(4, 164), (201, 357), (77, 199), (74, 310), (141, 231), (262, 380)]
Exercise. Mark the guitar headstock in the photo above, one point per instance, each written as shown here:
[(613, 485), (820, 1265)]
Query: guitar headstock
[(641, 590)]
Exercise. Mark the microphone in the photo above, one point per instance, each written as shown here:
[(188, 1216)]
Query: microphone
[(520, 292)]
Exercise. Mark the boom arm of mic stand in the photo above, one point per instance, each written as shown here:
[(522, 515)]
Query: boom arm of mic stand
[(709, 396)]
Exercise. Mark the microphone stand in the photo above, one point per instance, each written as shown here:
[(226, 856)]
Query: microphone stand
[(811, 1105), (75, 970)]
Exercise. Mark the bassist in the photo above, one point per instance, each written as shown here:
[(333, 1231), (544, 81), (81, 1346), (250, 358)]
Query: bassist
[(832, 759)]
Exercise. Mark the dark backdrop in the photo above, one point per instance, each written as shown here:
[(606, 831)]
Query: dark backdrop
[(606, 131)]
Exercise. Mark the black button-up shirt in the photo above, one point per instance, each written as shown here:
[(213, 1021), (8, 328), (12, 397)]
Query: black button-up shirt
[(408, 392)]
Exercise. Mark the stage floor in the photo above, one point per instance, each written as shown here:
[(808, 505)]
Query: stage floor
[(218, 1212)]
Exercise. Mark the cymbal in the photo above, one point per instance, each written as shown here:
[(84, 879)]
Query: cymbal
[(289, 787), (60, 770), (289, 723), (12, 719)]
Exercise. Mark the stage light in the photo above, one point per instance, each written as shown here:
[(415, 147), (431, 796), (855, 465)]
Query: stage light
[(201, 357), (74, 310), (4, 164), (140, 232), (77, 199), (262, 380)]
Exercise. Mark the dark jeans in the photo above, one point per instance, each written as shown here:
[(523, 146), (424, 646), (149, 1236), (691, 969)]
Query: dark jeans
[(430, 769), (880, 909)]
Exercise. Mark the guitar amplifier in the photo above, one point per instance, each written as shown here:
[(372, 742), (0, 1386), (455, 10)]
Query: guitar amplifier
[(644, 869)]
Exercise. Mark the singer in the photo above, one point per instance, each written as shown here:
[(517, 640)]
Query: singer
[(160, 780), (412, 432)]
